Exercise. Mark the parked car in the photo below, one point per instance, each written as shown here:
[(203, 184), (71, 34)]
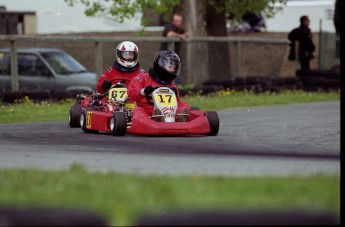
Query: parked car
[(46, 69)]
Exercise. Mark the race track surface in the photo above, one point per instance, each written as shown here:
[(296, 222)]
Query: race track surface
[(298, 139)]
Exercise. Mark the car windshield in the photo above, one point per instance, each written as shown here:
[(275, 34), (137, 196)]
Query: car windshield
[(63, 63)]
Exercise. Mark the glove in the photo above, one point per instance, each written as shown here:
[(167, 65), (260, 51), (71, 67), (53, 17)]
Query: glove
[(106, 85), (148, 90), (174, 90)]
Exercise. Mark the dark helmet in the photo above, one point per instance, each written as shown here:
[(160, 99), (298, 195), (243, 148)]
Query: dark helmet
[(166, 66)]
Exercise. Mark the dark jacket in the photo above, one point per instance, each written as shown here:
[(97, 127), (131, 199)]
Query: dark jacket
[(336, 16), (168, 28), (303, 35)]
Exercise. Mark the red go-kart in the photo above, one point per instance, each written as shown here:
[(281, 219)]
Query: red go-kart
[(164, 98), (93, 112)]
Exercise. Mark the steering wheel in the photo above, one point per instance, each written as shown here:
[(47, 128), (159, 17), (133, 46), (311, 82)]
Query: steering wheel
[(120, 79)]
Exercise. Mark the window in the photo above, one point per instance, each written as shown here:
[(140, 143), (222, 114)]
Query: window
[(63, 63), (30, 64)]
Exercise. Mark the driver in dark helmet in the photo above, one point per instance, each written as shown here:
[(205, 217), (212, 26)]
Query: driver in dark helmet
[(166, 66)]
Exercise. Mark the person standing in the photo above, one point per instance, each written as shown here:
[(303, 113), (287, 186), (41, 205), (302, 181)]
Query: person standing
[(175, 29), (336, 21), (303, 36)]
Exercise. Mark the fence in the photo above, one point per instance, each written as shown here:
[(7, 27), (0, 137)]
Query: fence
[(248, 56)]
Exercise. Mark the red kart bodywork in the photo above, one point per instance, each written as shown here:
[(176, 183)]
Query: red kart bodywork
[(98, 121), (119, 118), (197, 125)]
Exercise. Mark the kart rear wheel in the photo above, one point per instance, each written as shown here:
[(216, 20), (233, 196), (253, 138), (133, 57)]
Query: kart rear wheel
[(213, 121), (118, 124), (74, 115)]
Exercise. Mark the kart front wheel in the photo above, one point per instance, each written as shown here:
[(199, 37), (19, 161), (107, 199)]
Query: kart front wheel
[(213, 121), (74, 115), (118, 124)]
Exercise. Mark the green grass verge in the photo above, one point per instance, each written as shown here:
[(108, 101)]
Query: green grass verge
[(122, 198), (28, 111)]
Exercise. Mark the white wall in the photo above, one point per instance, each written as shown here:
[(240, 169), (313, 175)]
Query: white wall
[(288, 19), (55, 16)]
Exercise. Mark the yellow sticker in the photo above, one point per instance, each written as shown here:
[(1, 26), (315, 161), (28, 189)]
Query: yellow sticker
[(88, 119), (120, 93), (130, 105), (164, 90), (165, 99)]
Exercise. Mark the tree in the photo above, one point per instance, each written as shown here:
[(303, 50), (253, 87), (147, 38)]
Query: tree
[(213, 23), (218, 52), (125, 9)]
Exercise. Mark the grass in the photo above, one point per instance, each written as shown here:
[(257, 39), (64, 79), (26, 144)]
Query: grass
[(28, 111), (121, 198)]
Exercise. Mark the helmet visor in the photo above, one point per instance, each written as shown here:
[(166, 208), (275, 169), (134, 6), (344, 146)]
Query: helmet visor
[(128, 55), (171, 66)]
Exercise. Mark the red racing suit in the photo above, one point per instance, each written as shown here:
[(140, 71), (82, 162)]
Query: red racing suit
[(111, 73), (143, 108)]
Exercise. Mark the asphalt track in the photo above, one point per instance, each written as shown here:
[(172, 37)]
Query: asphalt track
[(298, 139)]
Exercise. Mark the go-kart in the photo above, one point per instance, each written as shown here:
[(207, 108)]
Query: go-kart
[(93, 112), (164, 98)]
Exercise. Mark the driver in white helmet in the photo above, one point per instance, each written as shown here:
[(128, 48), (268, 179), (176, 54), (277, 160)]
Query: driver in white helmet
[(126, 65)]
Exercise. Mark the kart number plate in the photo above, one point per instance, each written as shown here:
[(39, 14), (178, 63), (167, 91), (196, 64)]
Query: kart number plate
[(120, 93), (165, 99), (88, 119)]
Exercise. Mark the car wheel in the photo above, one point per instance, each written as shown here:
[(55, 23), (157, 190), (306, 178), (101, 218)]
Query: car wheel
[(74, 115), (118, 124), (213, 120)]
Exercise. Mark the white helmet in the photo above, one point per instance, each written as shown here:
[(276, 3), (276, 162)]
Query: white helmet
[(127, 54)]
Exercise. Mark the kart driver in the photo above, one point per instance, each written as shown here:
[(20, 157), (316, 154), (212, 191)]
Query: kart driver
[(166, 66), (126, 65)]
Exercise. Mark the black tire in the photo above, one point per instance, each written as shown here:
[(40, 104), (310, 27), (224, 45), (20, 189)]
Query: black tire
[(213, 120), (50, 215), (74, 115), (208, 89), (228, 83), (11, 96), (118, 124), (239, 218), (253, 80), (38, 95)]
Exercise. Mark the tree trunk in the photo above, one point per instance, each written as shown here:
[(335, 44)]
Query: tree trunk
[(195, 60), (218, 52)]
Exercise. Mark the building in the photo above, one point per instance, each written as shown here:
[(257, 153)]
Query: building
[(55, 16)]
